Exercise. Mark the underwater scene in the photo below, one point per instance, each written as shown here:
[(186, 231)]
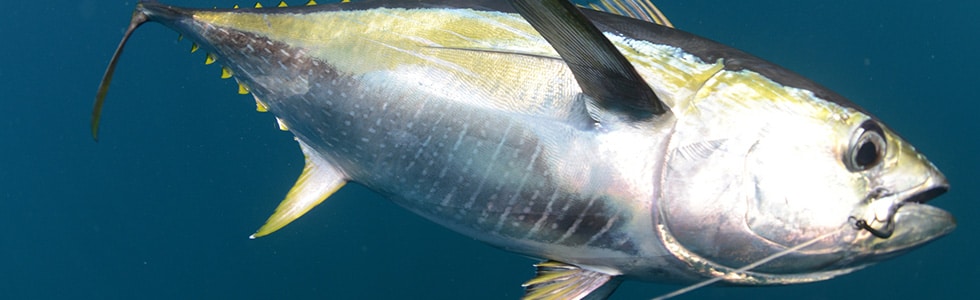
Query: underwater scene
[(185, 169)]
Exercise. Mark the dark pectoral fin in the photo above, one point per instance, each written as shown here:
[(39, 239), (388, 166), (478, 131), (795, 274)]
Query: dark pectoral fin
[(601, 70), (561, 281)]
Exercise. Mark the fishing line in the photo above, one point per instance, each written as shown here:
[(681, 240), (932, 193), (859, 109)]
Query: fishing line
[(752, 265)]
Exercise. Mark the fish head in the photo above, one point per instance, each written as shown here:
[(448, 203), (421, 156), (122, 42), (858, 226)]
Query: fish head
[(756, 167)]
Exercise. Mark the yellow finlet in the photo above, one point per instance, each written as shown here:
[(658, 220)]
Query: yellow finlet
[(180, 37), (258, 5), (225, 73), (282, 124), (318, 181), (235, 7), (242, 89), (311, 3), (282, 4), (260, 106), (194, 47), (209, 59)]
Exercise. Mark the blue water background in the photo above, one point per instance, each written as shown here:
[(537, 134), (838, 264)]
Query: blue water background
[(161, 207)]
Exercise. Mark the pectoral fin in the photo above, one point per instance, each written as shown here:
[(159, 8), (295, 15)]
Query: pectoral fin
[(601, 71), (318, 181), (561, 281)]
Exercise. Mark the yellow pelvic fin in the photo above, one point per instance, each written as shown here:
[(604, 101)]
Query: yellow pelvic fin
[(318, 181), (557, 281), (282, 4), (311, 3), (637, 9)]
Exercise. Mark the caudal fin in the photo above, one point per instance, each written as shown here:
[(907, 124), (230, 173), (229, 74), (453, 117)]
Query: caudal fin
[(138, 19)]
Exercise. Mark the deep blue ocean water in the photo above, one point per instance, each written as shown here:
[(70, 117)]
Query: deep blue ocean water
[(161, 207)]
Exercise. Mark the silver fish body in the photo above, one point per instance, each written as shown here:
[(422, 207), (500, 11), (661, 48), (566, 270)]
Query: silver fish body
[(463, 113)]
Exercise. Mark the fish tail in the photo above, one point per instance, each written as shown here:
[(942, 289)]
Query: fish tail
[(139, 18)]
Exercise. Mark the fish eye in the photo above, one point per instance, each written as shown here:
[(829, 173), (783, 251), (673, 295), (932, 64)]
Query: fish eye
[(867, 147)]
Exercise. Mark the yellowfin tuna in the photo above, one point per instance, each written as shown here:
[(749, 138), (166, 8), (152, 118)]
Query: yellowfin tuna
[(596, 138)]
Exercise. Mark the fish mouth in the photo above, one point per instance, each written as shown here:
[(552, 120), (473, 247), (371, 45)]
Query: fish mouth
[(928, 194), (915, 225), (902, 221)]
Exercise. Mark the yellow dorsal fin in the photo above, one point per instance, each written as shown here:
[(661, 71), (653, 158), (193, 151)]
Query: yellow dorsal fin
[(194, 47), (318, 181), (209, 59), (258, 5), (311, 3), (225, 73), (282, 4), (557, 280)]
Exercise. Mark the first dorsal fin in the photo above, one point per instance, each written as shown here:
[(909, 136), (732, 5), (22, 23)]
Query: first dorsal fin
[(600, 69), (637, 9), (319, 180), (560, 281)]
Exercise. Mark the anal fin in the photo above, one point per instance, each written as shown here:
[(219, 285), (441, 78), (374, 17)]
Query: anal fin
[(560, 281), (318, 181)]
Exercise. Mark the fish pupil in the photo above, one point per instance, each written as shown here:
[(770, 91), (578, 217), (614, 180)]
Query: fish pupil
[(866, 155)]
